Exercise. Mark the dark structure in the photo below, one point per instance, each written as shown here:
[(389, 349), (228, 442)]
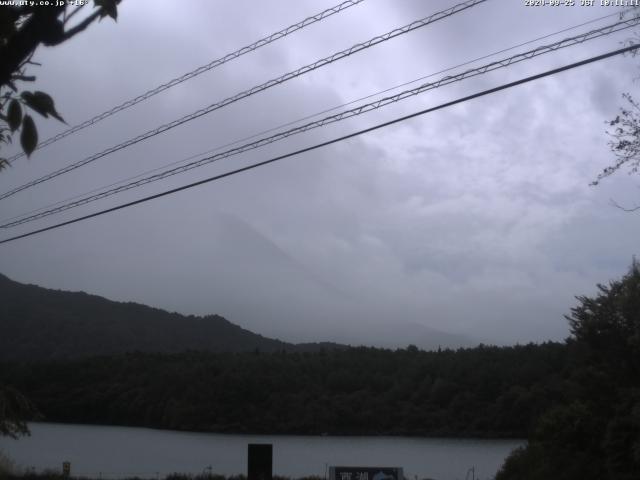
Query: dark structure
[(260, 461)]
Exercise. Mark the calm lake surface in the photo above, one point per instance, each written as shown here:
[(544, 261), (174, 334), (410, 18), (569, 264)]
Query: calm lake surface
[(113, 452)]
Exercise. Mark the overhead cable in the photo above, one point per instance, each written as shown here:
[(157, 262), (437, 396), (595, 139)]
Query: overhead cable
[(198, 71), (307, 117), (467, 98), (567, 42), (271, 83)]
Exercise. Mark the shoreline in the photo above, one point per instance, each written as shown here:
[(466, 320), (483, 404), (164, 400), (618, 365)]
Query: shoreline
[(435, 436)]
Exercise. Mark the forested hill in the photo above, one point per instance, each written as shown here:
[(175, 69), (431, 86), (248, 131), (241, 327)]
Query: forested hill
[(42, 324)]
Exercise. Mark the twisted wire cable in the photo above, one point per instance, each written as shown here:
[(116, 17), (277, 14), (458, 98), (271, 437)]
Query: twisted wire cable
[(198, 71), (308, 117), (555, 71), (542, 50), (271, 83)]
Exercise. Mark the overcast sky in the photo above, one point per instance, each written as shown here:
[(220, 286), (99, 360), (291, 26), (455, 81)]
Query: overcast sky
[(475, 220)]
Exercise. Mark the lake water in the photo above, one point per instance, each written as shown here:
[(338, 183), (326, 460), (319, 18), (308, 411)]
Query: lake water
[(115, 452)]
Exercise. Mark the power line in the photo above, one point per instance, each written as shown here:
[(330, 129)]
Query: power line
[(330, 142), (271, 83), (3, 222), (307, 117), (198, 71), (567, 42), (338, 117)]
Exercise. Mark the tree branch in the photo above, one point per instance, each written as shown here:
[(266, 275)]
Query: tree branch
[(40, 25), (24, 78), (81, 26), (625, 209), (77, 9)]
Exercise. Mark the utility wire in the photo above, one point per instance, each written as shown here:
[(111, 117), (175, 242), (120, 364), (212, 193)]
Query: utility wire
[(593, 34), (194, 73), (276, 81), (307, 117), (330, 142), (293, 122)]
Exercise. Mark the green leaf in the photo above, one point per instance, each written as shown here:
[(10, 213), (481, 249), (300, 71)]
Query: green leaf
[(14, 115), (28, 135), (41, 103)]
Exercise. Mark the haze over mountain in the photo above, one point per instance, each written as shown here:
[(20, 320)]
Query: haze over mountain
[(39, 324), (247, 277)]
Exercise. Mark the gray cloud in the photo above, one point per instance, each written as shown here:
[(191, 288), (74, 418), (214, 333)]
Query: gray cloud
[(477, 220)]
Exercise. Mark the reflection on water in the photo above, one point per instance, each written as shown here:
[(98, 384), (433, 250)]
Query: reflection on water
[(122, 451)]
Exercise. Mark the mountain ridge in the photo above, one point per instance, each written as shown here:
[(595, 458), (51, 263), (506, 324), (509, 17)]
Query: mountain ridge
[(38, 323)]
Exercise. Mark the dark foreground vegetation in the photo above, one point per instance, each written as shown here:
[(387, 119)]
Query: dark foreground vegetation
[(593, 431), (174, 476)]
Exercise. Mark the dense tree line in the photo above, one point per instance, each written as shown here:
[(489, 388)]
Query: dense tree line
[(485, 391)]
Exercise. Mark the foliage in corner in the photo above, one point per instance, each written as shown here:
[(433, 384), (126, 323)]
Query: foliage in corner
[(625, 139), (624, 130), (593, 431), (22, 29), (15, 411)]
